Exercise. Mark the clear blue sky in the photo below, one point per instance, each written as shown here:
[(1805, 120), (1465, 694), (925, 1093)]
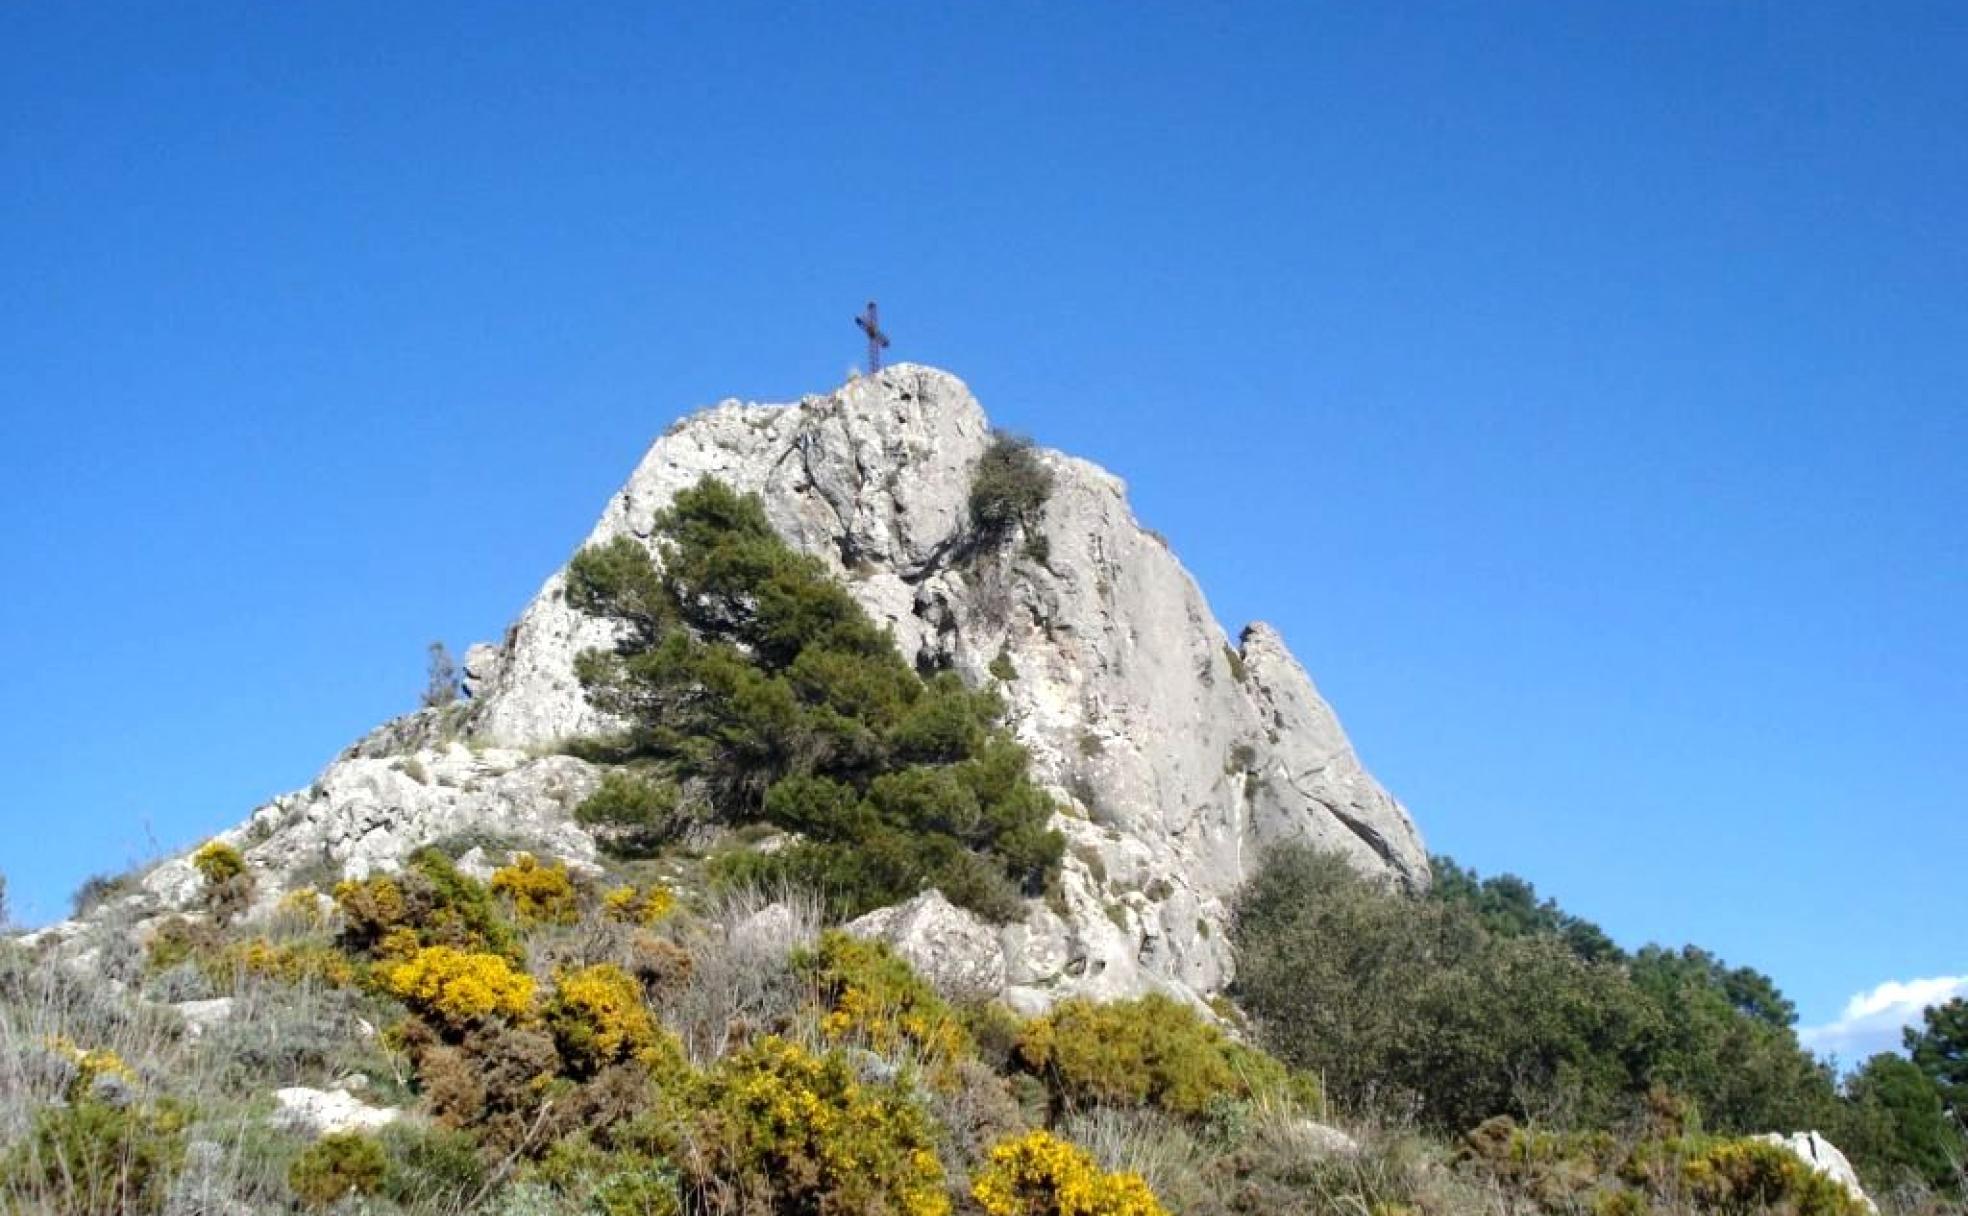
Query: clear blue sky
[(1580, 387)]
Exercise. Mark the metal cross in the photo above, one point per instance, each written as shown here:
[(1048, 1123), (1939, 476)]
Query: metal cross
[(877, 340)]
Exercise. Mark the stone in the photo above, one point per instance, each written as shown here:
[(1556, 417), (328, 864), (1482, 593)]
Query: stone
[(1176, 755), (955, 950), (323, 1112), (201, 1016), (1824, 1157), (1319, 1141)]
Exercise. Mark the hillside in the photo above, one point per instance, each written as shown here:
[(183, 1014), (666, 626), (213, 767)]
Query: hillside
[(871, 817)]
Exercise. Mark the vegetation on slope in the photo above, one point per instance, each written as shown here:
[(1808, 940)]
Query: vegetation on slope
[(757, 689), (1482, 1001), (567, 1045)]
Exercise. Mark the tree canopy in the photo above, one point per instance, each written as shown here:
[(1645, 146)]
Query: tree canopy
[(742, 666)]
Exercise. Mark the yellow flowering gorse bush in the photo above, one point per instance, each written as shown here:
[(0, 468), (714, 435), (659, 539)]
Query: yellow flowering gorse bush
[(785, 1130), (1038, 1174), (874, 1000), (597, 1018), (637, 907), (456, 988), (540, 895)]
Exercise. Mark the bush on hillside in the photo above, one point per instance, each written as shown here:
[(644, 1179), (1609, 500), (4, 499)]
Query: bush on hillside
[(1373, 990), (537, 894), (1151, 1051), (431, 903), (783, 1130), (634, 814), (337, 1166), (597, 1018), (228, 884), (1009, 488), (457, 989), (743, 665), (872, 998), (91, 1157), (1038, 1174)]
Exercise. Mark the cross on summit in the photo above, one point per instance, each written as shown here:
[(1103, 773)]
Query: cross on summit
[(870, 324)]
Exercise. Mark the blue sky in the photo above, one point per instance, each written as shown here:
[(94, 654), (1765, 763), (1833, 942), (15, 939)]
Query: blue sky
[(1578, 386)]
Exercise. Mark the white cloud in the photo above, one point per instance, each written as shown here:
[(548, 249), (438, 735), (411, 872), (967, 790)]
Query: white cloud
[(1872, 1020)]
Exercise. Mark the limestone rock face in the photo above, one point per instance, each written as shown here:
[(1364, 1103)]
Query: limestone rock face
[(1175, 753), (1825, 1158), (367, 813)]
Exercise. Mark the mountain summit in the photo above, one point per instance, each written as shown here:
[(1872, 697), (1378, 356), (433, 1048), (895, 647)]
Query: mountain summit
[(1175, 753)]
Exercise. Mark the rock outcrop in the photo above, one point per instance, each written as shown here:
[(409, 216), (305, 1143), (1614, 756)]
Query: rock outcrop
[(1824, 1157), (1176, 753)]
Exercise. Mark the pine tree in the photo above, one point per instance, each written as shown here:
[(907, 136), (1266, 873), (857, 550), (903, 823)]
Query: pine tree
[(441, 686)]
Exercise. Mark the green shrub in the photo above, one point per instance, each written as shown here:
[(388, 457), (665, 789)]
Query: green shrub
[(431, 1168), (1009, 489), (92, 1158), (1151, 1051), (633, 814), (745, 665), (872, 998), (431, 903), (782, 1130), (335, 1166), (1377, 992)]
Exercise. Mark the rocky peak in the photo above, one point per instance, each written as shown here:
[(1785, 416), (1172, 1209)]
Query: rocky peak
[(1175, 753)]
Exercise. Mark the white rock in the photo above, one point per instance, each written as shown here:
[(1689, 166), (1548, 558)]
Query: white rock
[(957, 952), (323, 1112), (1186, 755), (1176, 756), (201, 1016), (1825, 1158)]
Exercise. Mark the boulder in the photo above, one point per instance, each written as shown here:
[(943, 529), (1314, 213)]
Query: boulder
[(323, 1112), (956, 951), (1825, 1158)]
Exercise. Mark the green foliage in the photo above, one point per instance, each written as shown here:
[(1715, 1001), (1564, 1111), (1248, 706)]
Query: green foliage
[(431, 1168), (1939, 1046), (744, 665), (431, 903), (1370, 989), (633, 814), (89, 1157), (1895, 1123), (783, 1130), (1009, 489), (336, 1166), (1152, 1051), (1509, 906), (1565, 1173), (871, 998)]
